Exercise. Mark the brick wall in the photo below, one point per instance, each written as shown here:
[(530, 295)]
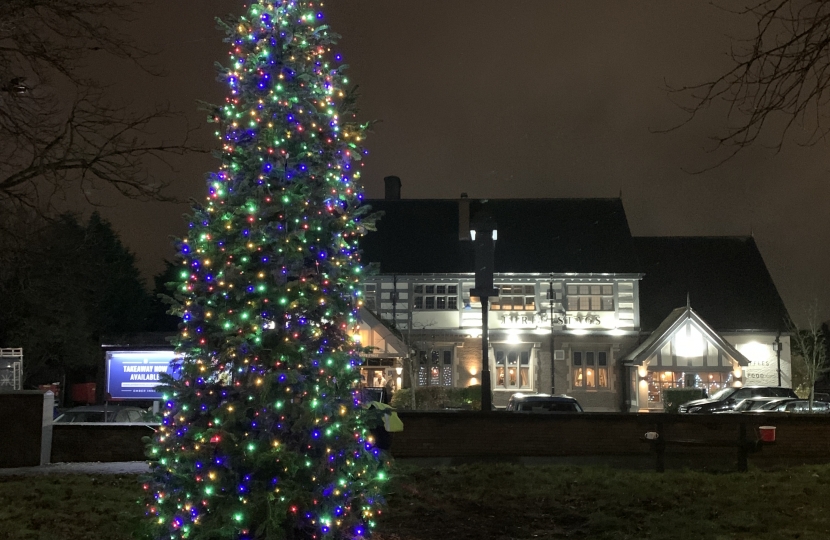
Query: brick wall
[(800, 439), (25, 424), (607, 437), (103, 442)]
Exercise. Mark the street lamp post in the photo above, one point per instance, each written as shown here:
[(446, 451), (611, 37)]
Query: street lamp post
[(484, 239)]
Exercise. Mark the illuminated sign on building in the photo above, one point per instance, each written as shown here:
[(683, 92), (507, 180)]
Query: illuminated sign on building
[(136, 374), (568, 320)]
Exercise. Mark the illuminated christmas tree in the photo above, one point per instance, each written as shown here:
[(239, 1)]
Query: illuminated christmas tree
[(263, 434)]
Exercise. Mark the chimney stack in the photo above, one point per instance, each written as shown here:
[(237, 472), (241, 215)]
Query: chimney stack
[(393, 188)]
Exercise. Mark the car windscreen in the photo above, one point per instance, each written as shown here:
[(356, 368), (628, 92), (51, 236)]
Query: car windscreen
[(723, 394), (82, 416), (780, 392), (772, 405)]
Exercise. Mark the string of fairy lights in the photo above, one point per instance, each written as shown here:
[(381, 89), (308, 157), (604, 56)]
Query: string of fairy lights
[(262, 429)]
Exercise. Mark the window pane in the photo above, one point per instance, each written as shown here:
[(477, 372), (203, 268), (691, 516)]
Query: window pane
[(589, 378), (430, 289), (512, 358), (511, 373), (596, 303), (370, 287), (452, 289), (505, 289), (524, 377), (602, 374), (447, 375), (441, 289), (447, 357), (573, 303), (430, 302), (607, 290), (589, 358), (578, 377), (584, 303), (595, 289), (525, 358), (500, 358), (608, 304), (419, 288), (530, 303), (500, 375), (422, 376), (529, 289), (434, 376), (602, 359), (577, 357), (584, 289), (572, 289), (442, 302), (419, 302), (452, 302)]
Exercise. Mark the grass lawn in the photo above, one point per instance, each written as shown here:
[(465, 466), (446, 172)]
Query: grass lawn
[(486, 502)]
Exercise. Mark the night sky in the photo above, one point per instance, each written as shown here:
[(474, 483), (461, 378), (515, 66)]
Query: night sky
[(528, 98)]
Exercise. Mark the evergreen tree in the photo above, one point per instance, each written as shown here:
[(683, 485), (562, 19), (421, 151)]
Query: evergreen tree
[(72, 283), (264, 434)]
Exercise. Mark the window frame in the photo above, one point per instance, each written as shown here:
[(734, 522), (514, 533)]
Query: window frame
[(435, 358), (429, 296), (501, 380), (590, 297), (506, 290), (589, 367)]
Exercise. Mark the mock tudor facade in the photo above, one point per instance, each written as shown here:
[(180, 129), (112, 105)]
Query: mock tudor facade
[(584, 308)]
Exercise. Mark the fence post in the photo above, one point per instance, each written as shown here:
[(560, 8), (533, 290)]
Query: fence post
[(660, 448), (743, 451)]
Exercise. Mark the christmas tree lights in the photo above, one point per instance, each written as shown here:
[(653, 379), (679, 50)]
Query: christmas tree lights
[(263, 434)]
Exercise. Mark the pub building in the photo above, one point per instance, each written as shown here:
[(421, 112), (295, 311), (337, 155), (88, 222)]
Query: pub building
[(584, 308)]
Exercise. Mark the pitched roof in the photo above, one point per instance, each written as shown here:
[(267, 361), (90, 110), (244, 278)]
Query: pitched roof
[(670, 325), (418, 236), (725, 278)]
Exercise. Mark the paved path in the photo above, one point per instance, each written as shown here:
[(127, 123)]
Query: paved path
[(124, 467)]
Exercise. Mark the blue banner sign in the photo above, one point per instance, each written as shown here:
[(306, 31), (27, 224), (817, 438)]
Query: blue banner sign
[(135, 374)]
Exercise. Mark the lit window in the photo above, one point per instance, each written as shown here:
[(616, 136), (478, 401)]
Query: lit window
[(514, 298), (590, 297), (589, 369), (435, 368), (513, 369)]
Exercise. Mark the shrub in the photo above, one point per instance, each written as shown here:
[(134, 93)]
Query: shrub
[(431, 398), (674, 397)]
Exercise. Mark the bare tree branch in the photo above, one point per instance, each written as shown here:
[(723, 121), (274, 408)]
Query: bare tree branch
[(779, 81), (59, 131)]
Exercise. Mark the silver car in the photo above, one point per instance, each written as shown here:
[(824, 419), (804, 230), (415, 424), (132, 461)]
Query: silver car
[(103, 413)]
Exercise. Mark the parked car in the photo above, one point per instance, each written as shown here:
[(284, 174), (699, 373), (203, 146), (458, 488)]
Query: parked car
[(751, 404), (103, 413), (728, 398), (544, 403), (798, 406)]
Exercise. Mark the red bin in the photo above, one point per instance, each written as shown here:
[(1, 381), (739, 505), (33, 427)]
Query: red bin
[(83, 393), (767, 433)]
